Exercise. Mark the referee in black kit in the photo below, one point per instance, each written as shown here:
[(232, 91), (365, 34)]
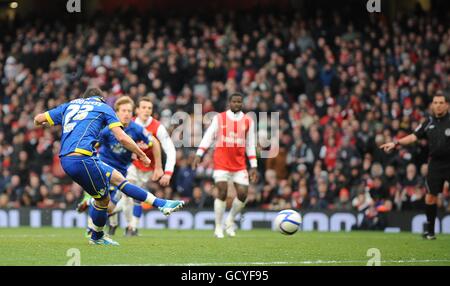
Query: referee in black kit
[(436, 129)]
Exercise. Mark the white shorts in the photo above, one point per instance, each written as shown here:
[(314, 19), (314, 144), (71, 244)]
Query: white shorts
[(138, 177), (239, 177)]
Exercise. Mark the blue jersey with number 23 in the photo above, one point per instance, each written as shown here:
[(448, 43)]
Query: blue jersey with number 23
[(82, 120)]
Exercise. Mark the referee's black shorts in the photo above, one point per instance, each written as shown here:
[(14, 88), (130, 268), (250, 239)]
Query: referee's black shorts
[(435, 182)]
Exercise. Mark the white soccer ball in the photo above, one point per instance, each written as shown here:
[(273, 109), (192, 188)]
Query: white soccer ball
[(288, 222)]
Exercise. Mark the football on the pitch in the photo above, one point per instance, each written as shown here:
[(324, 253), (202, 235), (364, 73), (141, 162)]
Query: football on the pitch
[(288, 222)]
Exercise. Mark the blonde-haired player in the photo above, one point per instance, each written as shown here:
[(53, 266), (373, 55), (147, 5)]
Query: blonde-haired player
[(139, 173)]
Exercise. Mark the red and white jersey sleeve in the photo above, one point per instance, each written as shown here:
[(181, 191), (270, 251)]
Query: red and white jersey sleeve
[(250, 147), (160, 132), (168, 148), (209, 137)]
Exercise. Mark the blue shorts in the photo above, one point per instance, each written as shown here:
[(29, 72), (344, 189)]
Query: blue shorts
[(90, 173)]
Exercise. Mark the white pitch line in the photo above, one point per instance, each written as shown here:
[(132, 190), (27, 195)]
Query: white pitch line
[(28, 235), (305, 262)]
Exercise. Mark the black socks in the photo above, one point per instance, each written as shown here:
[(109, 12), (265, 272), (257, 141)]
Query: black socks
[(431, 212)]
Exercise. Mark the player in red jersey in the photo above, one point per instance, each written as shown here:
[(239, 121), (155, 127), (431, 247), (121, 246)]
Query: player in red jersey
[(235, 137)]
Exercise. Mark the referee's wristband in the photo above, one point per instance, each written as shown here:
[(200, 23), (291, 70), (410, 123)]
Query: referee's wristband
[(396, 142)]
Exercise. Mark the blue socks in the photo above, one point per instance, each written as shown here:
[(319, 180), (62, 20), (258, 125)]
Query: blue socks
[(140, 194), (99, 216), (159, 202), (133, 191), (137, 209)]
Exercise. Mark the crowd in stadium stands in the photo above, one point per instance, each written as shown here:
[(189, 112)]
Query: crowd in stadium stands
[(341, 89)]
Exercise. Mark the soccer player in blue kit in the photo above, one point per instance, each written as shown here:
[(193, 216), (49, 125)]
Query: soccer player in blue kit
[(82, 121), (114, 154)]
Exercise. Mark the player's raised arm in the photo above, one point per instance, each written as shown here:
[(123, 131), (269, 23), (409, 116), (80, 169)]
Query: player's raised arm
[(40, 120), (207, 140), (129, 144), (51, 117)]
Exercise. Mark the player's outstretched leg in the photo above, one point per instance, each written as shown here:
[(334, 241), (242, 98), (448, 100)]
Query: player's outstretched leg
[(165, 206)]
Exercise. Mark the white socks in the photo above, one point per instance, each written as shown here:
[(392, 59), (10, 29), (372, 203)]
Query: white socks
[(90, 223), (236, 208), (92, 226), (134, 222), (120, 204), (219, 209), (113, 220), (150, 199), (128, 209)]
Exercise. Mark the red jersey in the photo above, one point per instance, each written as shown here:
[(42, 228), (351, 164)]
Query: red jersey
[(235, 136), (152, 128)]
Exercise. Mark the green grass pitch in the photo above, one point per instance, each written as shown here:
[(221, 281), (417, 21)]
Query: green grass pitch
[(48, 246)]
